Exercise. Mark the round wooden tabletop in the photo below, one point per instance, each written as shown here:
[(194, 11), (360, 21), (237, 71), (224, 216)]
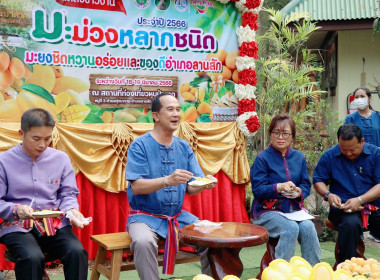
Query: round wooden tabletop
[(232, 235)]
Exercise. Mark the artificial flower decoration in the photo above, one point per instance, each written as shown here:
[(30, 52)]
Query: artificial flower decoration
[(249, 49), (250, 19), (216, 82), (247, 121), (246, 105)]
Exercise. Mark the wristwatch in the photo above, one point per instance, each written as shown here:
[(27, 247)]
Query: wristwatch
[(326, 196)]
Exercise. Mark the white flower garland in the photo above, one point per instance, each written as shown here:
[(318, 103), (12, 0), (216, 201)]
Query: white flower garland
[(241, 123), (245, 92), (245, 62)]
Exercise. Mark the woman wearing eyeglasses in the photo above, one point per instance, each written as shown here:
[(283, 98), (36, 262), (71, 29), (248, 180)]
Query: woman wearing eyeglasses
[(280, 183)]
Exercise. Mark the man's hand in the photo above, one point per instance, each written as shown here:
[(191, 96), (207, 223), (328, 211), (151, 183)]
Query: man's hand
[(179, 176), (213, 184), (351, 205), (77, 218), (335, 201), (25, 212), (295, 193)]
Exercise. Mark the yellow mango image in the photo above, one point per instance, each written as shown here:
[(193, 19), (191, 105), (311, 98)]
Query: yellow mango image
[(188, 96), (43, 76), (58, 71), (6, 79), (75, 98), (17, 68), (235, 76), (66, 82), (62, 101), (121, 116), (28, 73), (220, 54), (17, 83), (10, 111), (75, 114), (190, 115), (134, 112), (4, 61), (107, 117), (200, 94), (26, 100), (184, 88), (205, 108), (231, 59)]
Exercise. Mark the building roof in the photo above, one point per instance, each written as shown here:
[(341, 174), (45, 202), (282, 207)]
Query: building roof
[(326, 10)]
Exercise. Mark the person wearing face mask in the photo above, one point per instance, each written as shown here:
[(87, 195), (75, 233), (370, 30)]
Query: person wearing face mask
[(365, 117)]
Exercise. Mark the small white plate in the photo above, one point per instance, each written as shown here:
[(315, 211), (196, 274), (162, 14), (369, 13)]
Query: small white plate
[(200, 184)]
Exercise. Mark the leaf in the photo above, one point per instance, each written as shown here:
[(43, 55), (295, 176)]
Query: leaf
[(92, 118), (143, 119), (150, 117), (40, 91), (203, 23), (185, 105), (218, 29), (94, 108), (196, 81), (205, 117)]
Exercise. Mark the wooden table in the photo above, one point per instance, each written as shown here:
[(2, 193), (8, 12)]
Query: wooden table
[(224, 244)]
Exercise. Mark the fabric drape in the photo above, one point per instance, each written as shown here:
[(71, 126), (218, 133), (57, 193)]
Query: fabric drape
[(99, 150)]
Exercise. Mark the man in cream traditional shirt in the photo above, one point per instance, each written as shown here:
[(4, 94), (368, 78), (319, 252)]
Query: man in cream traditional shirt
[(33, 177)]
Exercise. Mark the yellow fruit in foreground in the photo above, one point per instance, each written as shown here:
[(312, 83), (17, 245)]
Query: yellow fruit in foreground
[(184, 88), (296, 260), (26, 100), (282, 266), (230, 277), (202, 277), (296, 276), (62, 101), (341, 274), (271, 273), (322, 271), (75, 113), (302, 270), (9, 111), (43, 76), (188, 96), (66, 82)]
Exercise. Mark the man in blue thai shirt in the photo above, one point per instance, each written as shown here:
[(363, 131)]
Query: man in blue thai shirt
[(159, 168), (352, 170)]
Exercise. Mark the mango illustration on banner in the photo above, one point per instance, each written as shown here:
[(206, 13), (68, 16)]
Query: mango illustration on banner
[(22, 89)]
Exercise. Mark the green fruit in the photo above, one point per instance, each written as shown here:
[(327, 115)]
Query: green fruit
[(143, 119), (134, 112), (124, 117)]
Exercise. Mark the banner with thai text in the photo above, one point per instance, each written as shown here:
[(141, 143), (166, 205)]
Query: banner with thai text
[(95, 61)]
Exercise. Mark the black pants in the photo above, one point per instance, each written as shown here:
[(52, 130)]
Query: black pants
[(28, 248), (350, 229)]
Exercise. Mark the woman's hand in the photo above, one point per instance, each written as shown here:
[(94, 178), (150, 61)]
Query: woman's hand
[(296, 193), (286, 187)]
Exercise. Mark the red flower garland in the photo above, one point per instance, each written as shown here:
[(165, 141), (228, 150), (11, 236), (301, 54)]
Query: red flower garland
[(249, 49), (247, 76), (253, 124), (246, 105), (251, 4), (250, 19)]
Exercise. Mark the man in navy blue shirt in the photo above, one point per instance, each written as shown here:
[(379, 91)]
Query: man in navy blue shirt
[(351, 169)]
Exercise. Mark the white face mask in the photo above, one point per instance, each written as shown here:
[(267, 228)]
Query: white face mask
[(360, 103)]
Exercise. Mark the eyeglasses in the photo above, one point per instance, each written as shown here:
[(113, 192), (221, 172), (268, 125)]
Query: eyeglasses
[(284, 134)]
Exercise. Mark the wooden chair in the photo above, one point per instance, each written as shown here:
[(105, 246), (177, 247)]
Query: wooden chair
[(359, 249), (119, 243), (8, 256)]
